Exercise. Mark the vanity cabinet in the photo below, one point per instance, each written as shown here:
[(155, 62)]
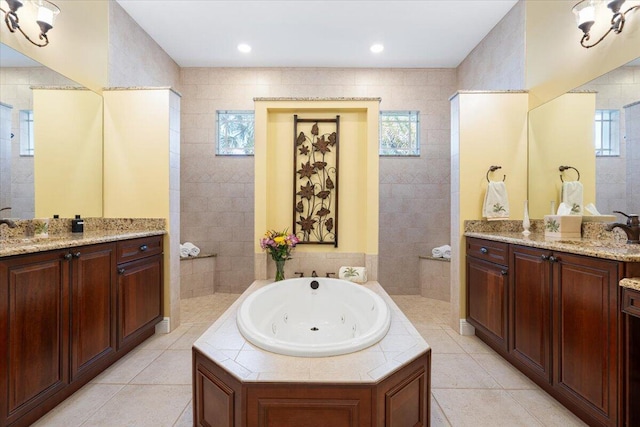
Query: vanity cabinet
[(562, 324), (59, 320), (139, 287), (631, 316), (487, 287)]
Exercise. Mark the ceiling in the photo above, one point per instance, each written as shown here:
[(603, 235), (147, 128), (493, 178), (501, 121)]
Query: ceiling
[(310, 33)]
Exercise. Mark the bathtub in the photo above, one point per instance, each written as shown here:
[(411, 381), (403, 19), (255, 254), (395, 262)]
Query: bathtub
[(290, 317)]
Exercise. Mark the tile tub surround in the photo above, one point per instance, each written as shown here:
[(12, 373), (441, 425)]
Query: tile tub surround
[(223, 344), (20, 240)]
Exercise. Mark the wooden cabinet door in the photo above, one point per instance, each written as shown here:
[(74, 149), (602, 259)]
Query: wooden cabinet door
[(93, 306), (585, 323), (34, 331), (139, 296), (530, 310), (487, 300)]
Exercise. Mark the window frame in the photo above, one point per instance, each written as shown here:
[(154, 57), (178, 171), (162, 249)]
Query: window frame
[(218, 150), (413, 116), (609, 127), (27, 143)]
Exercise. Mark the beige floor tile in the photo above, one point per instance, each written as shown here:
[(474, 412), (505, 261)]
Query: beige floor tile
[(470, 344), (185, 342), (79, 406), (476, 408), (545, 408), (186, 418), (142, 406), (438, 419), (125, 369), (503, 372), (440, 341), (171, 367), (164, 341), (459, 371)]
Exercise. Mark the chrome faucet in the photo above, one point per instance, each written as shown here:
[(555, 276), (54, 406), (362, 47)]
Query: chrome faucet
[(632, 227), (9, 223)]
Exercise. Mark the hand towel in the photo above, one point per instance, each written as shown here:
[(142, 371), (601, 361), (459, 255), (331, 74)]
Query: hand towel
[(353, 274), (443, 251), (572, 196), (193, 249), (591, 208), (496, 202), (184, 251)]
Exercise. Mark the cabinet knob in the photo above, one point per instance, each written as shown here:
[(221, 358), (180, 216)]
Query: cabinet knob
[(553, 259), (143, 248), (484, 250), (544, 257), (67, 256), (121, 271), (503, 272), (76, 255)]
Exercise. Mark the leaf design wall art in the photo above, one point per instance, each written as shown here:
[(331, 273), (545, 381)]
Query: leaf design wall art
[(315, 180)]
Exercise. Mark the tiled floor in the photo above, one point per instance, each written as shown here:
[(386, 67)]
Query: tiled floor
[(151, 386)]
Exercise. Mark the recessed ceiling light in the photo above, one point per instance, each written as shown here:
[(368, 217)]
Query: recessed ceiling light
[(376, 48), (244, 48)]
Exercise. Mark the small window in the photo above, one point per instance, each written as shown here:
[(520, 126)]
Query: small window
[(235, 133), (26, 132), (607, 133), (399, 133)]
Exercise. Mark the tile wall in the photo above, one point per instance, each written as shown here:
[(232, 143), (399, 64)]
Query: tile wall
[(633, 158), (217, 192), (5, 158)]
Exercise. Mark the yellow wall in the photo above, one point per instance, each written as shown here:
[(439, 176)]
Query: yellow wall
[(561, 133), (136, 154), (358, 170), (492, 131), (78, 44), (68, 153), (555, 61)]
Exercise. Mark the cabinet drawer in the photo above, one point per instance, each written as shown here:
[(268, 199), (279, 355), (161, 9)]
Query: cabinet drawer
[(631, 302), (130, 250), (487, 250)]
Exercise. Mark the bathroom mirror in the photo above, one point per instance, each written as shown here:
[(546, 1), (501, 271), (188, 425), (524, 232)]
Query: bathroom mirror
[(608, 174), (50, 141)]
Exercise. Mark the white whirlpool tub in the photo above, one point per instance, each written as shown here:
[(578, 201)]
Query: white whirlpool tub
[(290, 317)]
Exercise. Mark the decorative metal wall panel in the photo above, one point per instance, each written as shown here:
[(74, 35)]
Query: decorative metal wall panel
[(315, 180)]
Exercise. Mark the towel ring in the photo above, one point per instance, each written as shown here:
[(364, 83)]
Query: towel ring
[(493, 169), (564, 168)]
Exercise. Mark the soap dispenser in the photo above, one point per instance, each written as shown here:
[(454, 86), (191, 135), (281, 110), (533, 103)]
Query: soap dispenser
[(77, 225)]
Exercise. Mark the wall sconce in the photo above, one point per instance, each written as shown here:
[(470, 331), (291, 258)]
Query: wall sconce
[(585, 12), (46, 13)]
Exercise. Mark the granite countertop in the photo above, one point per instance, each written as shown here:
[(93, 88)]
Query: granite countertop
[(224, 344), (18, 246), (631, 283), (607, 249), (20, 239)]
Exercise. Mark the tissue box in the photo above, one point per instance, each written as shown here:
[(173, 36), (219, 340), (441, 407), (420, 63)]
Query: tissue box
[(563, 226)]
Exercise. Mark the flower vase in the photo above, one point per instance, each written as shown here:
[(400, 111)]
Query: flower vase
[(279, 270), (526, 223)]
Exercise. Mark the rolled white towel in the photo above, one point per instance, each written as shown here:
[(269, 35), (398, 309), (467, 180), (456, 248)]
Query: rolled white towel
[(184, 251), (353, 274), (441, 251), (193, 249)]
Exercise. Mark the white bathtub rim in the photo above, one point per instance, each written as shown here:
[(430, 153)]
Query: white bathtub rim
[(374, 334)]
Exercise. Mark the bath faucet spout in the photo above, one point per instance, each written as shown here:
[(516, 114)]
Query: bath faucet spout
[(314, 274), (631, 228)]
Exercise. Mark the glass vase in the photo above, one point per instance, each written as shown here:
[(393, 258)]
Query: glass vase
[(526, 223), (279, 270)]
